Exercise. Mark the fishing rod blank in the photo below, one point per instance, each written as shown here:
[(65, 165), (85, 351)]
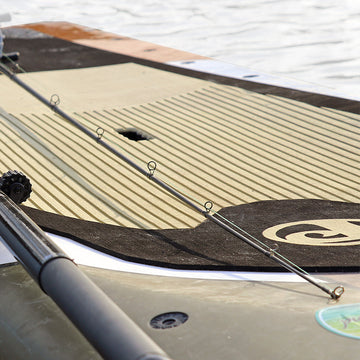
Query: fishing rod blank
[(335, 293), (112, 333)]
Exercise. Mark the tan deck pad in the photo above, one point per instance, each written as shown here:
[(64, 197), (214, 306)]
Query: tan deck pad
[(212, 142)]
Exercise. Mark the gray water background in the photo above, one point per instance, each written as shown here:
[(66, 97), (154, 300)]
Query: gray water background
[(316, 41)]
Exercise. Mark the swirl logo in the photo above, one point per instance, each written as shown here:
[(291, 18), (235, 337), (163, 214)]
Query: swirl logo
[(323, 232)]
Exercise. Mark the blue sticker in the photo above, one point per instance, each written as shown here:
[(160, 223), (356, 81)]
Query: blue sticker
[(342, 320)]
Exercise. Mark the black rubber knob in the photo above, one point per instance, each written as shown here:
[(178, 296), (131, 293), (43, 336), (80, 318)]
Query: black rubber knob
[(16, 186)]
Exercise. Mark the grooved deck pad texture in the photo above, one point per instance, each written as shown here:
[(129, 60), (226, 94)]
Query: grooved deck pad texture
[(283, 170), (210, 141)]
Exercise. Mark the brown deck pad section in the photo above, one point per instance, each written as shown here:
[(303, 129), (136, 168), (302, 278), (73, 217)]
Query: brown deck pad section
[(326, 238)]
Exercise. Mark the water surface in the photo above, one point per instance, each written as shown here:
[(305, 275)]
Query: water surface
[(310, 40)]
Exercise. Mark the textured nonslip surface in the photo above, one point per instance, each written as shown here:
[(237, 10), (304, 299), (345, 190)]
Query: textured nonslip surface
[(210, 141)]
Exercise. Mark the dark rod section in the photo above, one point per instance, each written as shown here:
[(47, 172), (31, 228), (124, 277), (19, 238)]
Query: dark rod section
[(106, 327), (27, 242), (112, 333)]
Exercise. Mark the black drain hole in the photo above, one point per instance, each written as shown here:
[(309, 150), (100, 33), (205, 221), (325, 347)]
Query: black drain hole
[(168, 320)]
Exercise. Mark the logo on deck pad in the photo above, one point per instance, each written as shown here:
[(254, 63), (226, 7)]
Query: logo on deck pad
[(321, 232), (342, 320)]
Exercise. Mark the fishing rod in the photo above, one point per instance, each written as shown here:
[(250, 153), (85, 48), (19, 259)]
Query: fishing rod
[(53, 105), (107, 328)]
